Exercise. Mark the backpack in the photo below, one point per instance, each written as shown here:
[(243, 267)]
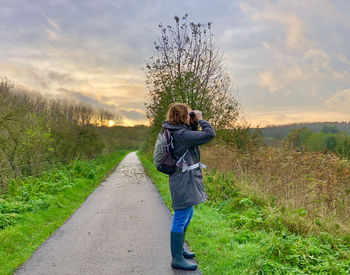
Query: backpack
[(162, 157)]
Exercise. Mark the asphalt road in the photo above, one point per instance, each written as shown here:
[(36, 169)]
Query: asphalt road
[(122, 228)]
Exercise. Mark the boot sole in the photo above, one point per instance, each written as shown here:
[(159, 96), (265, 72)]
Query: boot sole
[(187, 257), (183, 268)]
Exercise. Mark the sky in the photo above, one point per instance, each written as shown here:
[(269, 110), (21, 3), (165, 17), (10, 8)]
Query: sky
[(289, 59)]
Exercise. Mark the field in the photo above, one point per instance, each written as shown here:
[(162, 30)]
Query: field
[(270, 211)]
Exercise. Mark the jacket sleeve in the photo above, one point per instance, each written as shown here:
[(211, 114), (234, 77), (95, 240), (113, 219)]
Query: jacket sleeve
[(195, 138), (194, 126)]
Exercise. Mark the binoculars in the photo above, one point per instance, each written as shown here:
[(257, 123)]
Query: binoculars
[(192, 114)]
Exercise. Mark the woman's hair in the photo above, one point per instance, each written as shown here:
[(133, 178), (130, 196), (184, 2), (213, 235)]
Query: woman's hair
[(177, 113)]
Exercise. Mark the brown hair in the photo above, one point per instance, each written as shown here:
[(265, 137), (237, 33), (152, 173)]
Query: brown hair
[(177, 113)]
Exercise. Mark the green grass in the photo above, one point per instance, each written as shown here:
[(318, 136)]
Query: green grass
[(35, 207), (235, 233)]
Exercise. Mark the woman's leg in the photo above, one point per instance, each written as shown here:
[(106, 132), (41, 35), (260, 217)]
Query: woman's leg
[(189, 218), (188, 254), (177, 236), (181, 219)]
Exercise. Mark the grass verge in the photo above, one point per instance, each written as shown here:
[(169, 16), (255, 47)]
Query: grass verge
[(236, 233), (34, 208)]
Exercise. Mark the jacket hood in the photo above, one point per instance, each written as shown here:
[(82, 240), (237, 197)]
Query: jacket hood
[(170, 126)]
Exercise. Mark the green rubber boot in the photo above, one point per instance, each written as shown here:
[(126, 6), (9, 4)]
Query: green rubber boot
[(176, 244), (187, 254)]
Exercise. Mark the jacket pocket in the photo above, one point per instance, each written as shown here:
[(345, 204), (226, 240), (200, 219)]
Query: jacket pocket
[(198, 173), (199, 179)]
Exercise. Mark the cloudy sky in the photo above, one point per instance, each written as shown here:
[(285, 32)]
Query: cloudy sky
[(289, 59)]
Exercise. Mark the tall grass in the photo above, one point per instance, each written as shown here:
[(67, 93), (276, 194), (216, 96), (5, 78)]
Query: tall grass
[(315, 185)]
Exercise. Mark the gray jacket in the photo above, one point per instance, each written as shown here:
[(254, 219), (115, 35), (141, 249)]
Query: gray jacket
[(187, 188)]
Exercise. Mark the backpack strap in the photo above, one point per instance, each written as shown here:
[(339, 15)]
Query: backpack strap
[(181, 159), (184, 154), (169, 139), (184, 167)]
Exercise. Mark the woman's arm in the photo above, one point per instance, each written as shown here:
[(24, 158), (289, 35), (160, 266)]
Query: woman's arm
[(194, 125), (194, 138)]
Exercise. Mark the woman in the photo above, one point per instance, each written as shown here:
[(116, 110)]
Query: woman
[(186, 184)]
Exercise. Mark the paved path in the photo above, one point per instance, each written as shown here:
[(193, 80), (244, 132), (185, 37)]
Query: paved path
[(122, 228)]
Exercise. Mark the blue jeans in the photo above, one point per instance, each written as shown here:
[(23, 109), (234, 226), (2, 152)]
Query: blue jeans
[(181, 219)]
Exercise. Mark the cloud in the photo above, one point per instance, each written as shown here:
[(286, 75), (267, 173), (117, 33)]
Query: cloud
[(31, 74), (125, 101), (311, 71), (133, 114), (268, 80), (340, 101), (293, 26), (317, 58), (343, 76), (52, 35), (87, 99), (39, 78), (60, 77), (53, 23), (342, 58), (298, 61), (118, 104), (282, 79)]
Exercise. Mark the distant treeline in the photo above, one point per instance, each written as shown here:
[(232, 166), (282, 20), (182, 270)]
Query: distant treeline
[(279, 132), (329, 139), (36, 132), (319, 136)]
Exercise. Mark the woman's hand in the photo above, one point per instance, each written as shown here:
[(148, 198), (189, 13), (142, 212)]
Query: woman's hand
[(198, 115)]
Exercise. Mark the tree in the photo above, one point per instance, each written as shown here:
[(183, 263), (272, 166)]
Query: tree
[(330, 142), (330, 129), (186, 67), (343, 144), (299, 137)]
